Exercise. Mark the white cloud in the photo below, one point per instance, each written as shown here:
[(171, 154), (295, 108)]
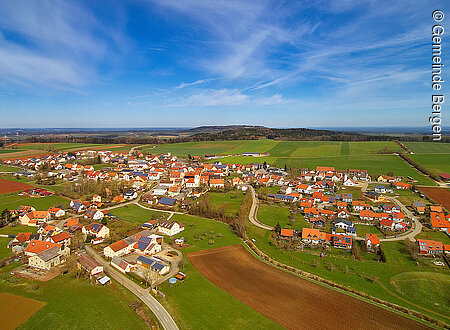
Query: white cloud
[(56, 44), (197, 82), (226, 98)]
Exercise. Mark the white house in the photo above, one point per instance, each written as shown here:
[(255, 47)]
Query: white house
[(96, 229), (170, 228)]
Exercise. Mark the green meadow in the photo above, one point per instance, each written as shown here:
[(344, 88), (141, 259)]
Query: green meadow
[(13, 201), (436, 163), (428, 147)]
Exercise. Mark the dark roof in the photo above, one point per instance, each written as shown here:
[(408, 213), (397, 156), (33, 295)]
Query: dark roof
[(167, 201)]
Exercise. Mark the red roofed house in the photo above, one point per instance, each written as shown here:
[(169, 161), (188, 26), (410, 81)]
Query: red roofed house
[(430, 247), (287, 233), (35, 218), (61, 238), (372, 241), (117, 249), (217, 183)]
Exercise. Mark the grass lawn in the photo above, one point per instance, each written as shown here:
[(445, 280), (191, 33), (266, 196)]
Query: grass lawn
[(135, 214), (102, 166), (407, 197), (369, 276), (428, 147), (73, 303), (355, 191), (230, 201), (13, 201), (434, 235), (4, 251), (436, 163), (10, 230), (362, 230), (271, 214), (6, 168), (193, 302)]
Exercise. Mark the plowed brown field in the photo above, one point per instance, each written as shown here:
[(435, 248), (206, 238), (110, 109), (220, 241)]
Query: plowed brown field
[(440, 195), (14, 310), (7, 186), (292, 302)]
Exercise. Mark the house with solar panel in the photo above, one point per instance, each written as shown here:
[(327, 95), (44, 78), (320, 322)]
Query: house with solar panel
[(93, 214), (154, 264), (148, 245), (96, 229)]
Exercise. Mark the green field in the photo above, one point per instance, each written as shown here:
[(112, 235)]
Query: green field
[(10, 230), (436, 163), (74, 304), (369, 276), (196, 148), (428, 147), (13, 201), (271, 214), (193, 302), (374, 164), (135, 214), (230, 201), (6, 168)]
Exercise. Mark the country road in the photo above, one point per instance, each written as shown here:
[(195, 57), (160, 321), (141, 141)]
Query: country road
[(254, 209), (411, 235), (163, 316)]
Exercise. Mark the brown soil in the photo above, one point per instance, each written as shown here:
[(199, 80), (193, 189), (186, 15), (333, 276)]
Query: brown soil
[(292, 302), (23, 154), (7, 186), (440, 195), (15, 310)]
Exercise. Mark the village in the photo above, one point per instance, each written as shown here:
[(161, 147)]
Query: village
[(332, 212)]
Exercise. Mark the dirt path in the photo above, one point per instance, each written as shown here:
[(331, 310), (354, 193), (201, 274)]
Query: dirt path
[(292, 302)]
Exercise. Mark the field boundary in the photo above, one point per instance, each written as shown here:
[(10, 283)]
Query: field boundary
[(333, 285)]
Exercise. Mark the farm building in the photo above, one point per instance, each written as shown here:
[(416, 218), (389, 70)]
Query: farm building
[(153, 264)]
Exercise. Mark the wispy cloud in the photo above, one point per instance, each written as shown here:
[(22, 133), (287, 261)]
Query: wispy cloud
[(226, 98), (56, 44), (195, 83)]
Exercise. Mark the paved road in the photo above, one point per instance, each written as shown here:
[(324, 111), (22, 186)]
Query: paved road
[(254, 209), (163, 316), (417, 225)]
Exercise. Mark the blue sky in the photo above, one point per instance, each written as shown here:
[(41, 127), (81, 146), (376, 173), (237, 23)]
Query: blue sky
[(190, 63)]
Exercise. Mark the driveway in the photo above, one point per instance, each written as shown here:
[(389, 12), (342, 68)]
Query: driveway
[(163, 316)]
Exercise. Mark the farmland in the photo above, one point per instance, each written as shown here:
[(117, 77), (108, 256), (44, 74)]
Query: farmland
[(189, 300), (14, 310), (440, 195), (73, 303), (13, 201), (436, 163), (299, 302), (7, 186), (428, 147), (369, 276)]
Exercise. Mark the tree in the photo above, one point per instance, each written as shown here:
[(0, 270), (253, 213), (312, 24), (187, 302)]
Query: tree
[(278, 228), (355, 251), (381, 255)]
